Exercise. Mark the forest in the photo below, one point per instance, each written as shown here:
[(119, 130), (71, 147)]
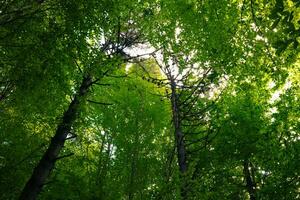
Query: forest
[(150, 99)]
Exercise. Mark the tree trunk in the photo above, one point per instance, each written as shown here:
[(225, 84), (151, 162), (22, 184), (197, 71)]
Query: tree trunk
[(250, 184), (179, 140), (47, 162), (134, 155)]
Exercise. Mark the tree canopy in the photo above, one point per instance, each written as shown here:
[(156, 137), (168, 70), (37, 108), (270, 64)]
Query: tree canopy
[(164, 99)]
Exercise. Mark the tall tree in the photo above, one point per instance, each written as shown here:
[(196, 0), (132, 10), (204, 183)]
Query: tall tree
[(46, 164), (213, 116)]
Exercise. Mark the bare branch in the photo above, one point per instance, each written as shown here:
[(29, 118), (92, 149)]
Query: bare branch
[(100, 103), (71, 137), (64, 156)]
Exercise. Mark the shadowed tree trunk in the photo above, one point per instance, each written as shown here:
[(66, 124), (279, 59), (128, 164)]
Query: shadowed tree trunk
[(47, 162), (250, 183), (179, 140), (134, 154)]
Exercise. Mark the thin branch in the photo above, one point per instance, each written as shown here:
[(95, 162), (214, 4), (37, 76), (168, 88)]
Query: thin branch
[(119, 76), (103, 84), (80, 70), (71, 137), (100, 103), (64, 156), (49, 182), (196, 141), (141, 55), (197, 86), (200, 112)]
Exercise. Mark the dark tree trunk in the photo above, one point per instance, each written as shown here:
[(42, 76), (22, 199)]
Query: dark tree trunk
[(47, 162), (179, 140), (250, 183)]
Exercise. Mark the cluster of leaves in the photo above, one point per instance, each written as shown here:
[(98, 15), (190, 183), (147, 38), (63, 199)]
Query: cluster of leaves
[(220, 58)]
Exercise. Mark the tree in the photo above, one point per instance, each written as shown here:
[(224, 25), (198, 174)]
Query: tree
[(149, 100)]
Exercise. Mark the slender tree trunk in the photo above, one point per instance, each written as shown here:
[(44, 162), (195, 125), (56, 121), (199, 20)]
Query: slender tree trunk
[(179, 140), (101, 158), (104, 167), (134, 154), (132, 176), (250, 183), (47, 162)]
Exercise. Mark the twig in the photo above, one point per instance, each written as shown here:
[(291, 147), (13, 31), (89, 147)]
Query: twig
[(64, 156), (71, 137), (100, 103)]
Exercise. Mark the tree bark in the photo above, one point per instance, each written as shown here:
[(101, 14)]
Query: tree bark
[(250, 183), (179, 140), (43, 169)]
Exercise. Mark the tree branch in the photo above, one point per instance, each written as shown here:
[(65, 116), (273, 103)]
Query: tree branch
[(100, 103), (64, 156)]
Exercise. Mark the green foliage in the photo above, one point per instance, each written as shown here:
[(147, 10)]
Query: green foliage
[(122, 142)]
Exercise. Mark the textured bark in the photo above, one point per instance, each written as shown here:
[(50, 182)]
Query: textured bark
[(250, 183), (42, 171), (179, 140)]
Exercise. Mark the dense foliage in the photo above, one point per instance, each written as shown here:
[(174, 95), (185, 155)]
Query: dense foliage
[(165, 99)]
